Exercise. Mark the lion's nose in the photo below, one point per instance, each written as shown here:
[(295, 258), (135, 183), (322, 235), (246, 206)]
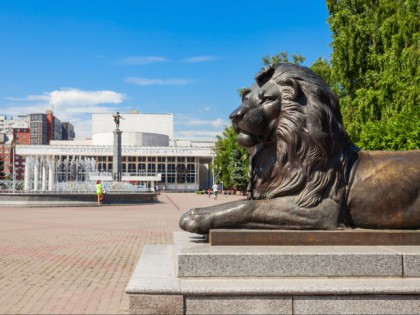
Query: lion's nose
[(238, 113)]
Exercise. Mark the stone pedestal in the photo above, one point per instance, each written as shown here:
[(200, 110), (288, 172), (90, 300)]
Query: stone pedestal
[(192, 277), (117, 160)]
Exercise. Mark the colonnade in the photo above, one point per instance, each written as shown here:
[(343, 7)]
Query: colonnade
[(45, 173)]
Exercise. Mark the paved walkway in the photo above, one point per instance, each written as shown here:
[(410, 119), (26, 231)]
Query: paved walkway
[(78, 260)]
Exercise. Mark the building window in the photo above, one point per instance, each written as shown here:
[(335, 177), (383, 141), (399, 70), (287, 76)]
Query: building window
[(171, 172), (190, 173), (181, 171), (171, 159), (81, 173), (132, 168), (102, 167), (181, 159), (161, 168), (161, 159), (191, 159), (142, 169), (151, 169)]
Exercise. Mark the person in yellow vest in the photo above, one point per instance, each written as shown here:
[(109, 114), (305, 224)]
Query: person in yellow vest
[(99, 192)]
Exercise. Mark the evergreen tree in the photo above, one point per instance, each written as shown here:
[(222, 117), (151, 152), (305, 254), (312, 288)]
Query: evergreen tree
[(239, 169), (231, 161)]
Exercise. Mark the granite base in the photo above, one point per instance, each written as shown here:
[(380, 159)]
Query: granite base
[(192, 277)]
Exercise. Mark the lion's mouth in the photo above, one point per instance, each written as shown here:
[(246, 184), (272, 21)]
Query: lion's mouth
[(246, 140)]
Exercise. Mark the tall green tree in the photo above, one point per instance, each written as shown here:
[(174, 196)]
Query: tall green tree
[(323, 68), (376, 70), (283, 57), (231, 161)]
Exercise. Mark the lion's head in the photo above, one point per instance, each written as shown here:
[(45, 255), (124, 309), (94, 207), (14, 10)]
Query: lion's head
[(292, 120)]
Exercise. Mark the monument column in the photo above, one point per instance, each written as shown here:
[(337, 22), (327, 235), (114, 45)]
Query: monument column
[(116, 161)]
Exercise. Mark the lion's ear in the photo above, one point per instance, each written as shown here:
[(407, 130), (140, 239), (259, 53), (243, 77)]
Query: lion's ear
[(244, 93), (290, 89)]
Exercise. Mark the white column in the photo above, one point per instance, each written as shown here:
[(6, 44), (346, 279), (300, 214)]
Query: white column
[(36, 173), (51, 172), (44, 175), (28, 161)]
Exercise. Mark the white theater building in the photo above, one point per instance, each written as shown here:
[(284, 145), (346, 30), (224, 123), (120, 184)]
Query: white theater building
[(150, 156)]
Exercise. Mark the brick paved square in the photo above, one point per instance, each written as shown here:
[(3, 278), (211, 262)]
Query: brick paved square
[(78, 260)]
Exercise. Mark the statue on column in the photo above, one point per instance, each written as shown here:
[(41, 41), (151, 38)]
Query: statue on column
[(117, 117)]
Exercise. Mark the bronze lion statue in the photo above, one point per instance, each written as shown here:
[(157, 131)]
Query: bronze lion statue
[(305, 173)]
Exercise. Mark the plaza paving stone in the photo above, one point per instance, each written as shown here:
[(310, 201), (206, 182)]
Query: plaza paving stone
[(78, 260)]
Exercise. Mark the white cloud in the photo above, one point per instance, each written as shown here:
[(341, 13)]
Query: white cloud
[(197, 134), (197, 59), (189, 127), (189, 121), (145, 82), (76, 97), (69, 104), (141, 60)]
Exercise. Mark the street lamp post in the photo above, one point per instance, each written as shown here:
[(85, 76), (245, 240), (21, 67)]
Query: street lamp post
[(13, 169), (212, 165)]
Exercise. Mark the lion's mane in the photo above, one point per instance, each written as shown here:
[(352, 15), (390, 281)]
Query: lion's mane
[(314, 154)]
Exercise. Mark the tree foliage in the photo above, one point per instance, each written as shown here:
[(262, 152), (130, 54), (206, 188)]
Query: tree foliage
[(282, 57), (231, 161), (375, 70)]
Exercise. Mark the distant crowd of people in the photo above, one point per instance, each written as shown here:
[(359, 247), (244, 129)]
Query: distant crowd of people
[(214, 190), (101, 191)]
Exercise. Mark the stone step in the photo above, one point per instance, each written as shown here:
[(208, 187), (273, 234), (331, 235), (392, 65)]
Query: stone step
[(194, 258), (155, 275), (349, 237), (155, 289)]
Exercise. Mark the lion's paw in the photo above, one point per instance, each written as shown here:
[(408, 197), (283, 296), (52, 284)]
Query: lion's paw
[(195, 221)]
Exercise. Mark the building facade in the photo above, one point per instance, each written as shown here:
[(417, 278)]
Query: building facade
[(150, 156), (31, 129), (67, 131)]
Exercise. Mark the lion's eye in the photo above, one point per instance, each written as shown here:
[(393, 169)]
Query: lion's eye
[(265, 97)]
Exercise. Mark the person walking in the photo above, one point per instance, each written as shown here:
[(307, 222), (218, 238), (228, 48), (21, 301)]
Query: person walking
[(215, 190), (99, 192)]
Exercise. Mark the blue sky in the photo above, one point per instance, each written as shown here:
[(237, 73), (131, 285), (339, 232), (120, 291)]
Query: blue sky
[(188, 58)]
